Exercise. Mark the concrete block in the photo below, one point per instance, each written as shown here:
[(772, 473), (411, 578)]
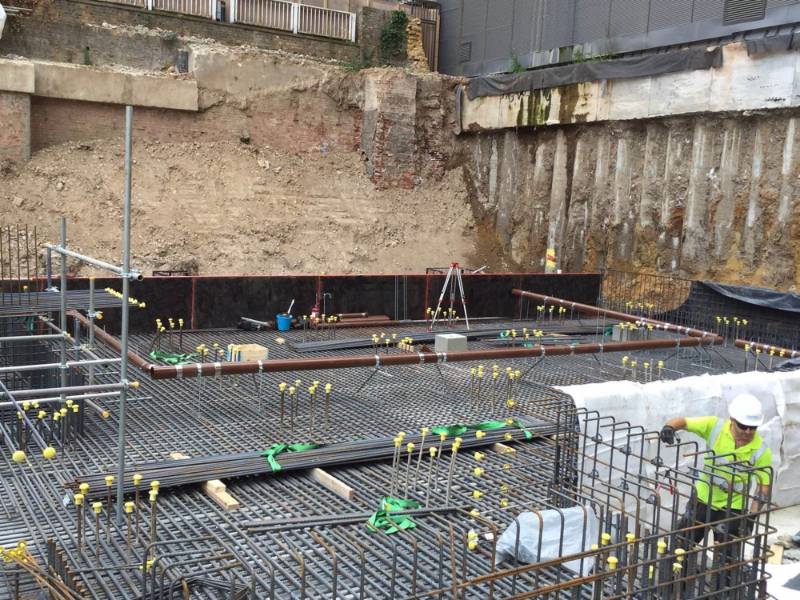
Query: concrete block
[(16, 76), (450, 342), (71, 82)]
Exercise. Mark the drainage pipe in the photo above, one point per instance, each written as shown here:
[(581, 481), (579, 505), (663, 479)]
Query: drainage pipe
[(211, 369), (766, 349)]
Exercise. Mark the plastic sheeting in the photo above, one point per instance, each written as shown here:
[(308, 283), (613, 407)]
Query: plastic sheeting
[(649, 65), (548, 534), (2, 20), (650, 405), (759, 296)]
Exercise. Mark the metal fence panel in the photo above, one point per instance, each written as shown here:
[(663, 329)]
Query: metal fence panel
[(540, 27), (668, 13), (591, 20), (324, 22), (450, 43), (523, 27), (558, 23), (474, 29), (629, 17), (275, 14), (498, 44), (500, 14), (200, 8)]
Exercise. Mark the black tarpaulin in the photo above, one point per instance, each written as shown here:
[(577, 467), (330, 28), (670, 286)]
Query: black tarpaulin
[(692, 59), (786, 301)]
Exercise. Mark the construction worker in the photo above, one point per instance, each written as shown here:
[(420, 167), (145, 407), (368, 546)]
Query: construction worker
[(721, 491)]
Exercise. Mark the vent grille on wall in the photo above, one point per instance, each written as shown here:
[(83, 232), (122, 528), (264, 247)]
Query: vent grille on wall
[(739, 11), (465, 52)]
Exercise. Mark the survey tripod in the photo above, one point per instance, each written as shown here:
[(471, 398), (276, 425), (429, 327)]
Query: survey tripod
[(452, 280)]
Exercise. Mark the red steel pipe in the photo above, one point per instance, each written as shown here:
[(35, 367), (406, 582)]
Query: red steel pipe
[(110, 340), (211, 369), (619, 316), (766, 348)]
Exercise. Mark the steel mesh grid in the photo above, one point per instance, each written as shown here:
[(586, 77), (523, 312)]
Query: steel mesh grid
[(223, 420)]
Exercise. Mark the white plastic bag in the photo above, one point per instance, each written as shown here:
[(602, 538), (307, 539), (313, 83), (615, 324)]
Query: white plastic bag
[(563, 532), (2, 20)]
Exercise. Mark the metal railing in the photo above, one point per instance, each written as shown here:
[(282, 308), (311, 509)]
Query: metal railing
[(275, 14), (325, 22), (199, 8)]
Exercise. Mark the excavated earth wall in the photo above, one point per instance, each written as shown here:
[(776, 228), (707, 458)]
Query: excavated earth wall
[(703, 196)]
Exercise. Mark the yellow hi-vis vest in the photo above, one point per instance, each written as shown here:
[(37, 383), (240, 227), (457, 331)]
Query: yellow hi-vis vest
[(720, 481)]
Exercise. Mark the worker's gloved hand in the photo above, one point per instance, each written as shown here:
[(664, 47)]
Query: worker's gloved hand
[(668, 434)]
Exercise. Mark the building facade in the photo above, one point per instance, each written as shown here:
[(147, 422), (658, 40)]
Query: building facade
[(490, 36)]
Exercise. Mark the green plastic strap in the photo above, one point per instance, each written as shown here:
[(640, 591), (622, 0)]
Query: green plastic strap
[(383, 521), (171, 358), (271, 452), (456, 430), (30, 324)]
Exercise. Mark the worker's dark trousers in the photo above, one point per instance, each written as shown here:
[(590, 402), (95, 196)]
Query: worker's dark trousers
[(698, 513)]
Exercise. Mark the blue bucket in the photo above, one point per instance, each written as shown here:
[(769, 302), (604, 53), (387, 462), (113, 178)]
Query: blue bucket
[(284, 322)]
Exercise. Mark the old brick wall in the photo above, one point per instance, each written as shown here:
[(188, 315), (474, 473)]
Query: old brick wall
[(74, 31), (297, 128), (15, 123)]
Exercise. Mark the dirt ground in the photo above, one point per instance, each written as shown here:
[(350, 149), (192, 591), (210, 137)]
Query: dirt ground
[(310, 213)]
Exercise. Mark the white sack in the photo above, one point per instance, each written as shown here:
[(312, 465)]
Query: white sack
[(563, 532)]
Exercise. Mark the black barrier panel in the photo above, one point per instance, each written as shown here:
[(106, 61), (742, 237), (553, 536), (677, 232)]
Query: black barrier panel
[(164, 297), (490, 295), (213, 302), (374, 294), (220, 301), (767, 325)]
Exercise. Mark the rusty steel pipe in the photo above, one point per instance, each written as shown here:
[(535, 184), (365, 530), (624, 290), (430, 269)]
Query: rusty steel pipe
[(619, 316), (766, 348), (110, 340), (211, 369)]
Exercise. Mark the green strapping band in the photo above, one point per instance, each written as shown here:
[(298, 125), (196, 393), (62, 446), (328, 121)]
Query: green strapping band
[(171, 358), (271, 452), (30, 324), (456, 430), (383, 521)]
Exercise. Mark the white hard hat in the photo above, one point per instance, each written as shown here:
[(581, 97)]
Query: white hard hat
[(746, 409)]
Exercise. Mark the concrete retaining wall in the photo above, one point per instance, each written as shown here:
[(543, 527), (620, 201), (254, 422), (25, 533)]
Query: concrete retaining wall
[(707, 196)]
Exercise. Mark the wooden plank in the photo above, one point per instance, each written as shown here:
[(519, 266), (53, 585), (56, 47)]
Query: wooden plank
[(503, 449), (777, 554), (337, 486), (214, 489)]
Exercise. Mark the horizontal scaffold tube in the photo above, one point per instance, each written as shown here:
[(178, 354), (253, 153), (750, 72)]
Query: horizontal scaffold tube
[(767, 349), (211, 369), (619, 316)]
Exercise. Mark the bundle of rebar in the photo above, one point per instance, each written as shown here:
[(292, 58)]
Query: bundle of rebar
[(182, 472)]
